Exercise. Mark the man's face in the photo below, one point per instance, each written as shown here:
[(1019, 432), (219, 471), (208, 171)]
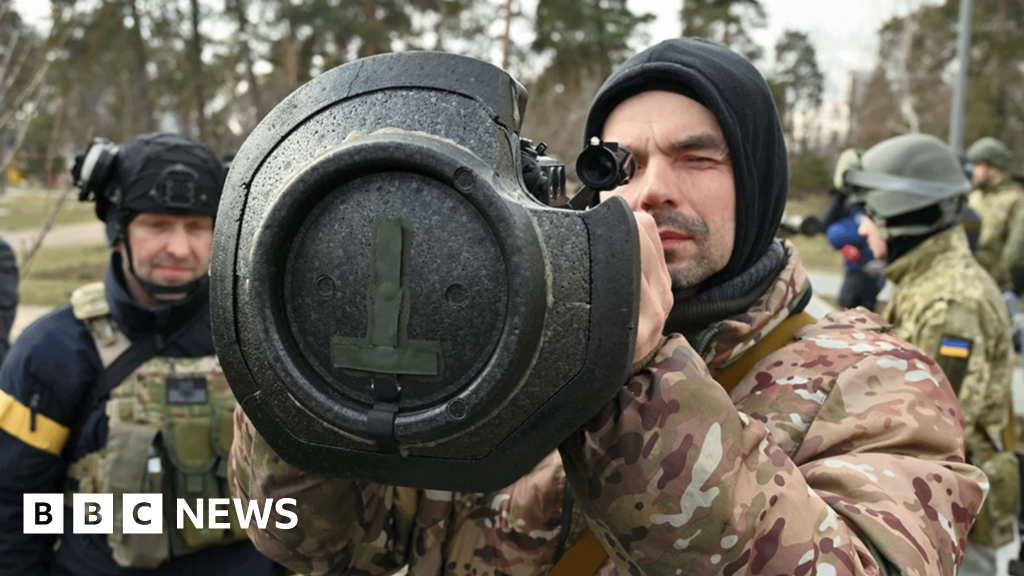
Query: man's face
[(683, 178), (870, 232), (984, 174), (169, 250)]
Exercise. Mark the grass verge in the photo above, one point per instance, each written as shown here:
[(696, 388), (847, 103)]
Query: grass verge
[(59, 270), (26, 210), (817, 254)]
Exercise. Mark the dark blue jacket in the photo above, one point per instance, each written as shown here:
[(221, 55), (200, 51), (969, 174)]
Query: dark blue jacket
[(50, 369), (844, 232)]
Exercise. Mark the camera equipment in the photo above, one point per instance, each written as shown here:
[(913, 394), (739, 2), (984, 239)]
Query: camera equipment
[(392, 302)]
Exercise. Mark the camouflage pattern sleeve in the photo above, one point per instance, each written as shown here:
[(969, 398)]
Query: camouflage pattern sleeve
[(343, 525), (1013, 252), (365, 529), (1000, 207), (855, 469), (1014, 235), (981, 378)]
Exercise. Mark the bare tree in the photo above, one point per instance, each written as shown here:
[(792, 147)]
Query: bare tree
[(141, 86), (21, 86), (197, 71)]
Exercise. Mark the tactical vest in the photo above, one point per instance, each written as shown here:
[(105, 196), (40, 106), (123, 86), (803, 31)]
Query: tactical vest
[(170, 426)]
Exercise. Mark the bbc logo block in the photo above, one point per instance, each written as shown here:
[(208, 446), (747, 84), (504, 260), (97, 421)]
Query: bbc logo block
[(93, 514), (43, 514), (143, 513)]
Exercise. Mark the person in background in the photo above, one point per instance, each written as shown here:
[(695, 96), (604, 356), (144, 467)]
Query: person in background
[(8, 295), (121, 391), (912, 190), (999, 200), (861, 282)]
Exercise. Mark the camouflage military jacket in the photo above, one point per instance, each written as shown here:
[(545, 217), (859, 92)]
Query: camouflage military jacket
[(1001, 208), (946, 305), (841, 453)]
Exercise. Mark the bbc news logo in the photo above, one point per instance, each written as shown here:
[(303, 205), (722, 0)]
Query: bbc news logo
[(144, 513)]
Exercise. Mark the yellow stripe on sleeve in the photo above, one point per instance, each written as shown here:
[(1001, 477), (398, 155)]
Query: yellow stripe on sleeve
[(16, 420), (953, 352)]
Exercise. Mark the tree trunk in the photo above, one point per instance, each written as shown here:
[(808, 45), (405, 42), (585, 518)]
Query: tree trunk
[(1002, 73), (52, 144), (370, 47), (250, 75), (142, 81), (197, 71), (291, 59), (908, 104), (506, 40)]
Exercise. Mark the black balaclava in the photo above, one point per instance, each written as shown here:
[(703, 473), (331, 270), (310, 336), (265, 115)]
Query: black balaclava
[(902, 245), (738, 96)]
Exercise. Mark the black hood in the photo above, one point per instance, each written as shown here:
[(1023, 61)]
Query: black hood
[(737, 94)]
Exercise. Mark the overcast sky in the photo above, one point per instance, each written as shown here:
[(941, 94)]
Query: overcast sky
[(843, 31)]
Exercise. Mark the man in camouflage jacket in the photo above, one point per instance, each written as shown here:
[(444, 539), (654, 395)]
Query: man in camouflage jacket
[(840, 453), (999, 199), (948, 306)]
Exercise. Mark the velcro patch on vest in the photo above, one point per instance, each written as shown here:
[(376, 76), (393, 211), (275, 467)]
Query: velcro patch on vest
[(187, 391)]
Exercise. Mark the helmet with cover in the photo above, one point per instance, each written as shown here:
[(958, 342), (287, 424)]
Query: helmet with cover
[(990, 151), (155, 173)]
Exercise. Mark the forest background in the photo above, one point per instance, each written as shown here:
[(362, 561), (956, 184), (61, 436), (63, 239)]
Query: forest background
[(211, 69)]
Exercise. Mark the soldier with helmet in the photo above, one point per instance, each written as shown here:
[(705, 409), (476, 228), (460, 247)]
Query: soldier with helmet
[(999, 199), (120, 391), (912, 189)]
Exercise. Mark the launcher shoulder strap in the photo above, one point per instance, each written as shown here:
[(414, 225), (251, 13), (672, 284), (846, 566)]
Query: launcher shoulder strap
[(773, 341)]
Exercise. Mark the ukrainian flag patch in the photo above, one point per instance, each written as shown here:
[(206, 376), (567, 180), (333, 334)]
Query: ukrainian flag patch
[(954, 348)]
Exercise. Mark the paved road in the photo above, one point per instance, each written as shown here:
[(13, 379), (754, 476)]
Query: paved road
[(22, 240), (26, 315), (828, 285), (88, 233)]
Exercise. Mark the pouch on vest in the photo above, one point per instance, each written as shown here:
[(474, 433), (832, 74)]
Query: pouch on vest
[(192, 461), (223, 431), (126, 468), (994, 526)]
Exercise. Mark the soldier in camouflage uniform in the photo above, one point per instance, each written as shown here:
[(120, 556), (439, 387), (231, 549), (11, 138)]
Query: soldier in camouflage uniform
[(948, 306), (999, 199), (840, 452), (166, 427)]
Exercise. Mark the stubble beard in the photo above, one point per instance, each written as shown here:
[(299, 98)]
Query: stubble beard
[(700, 266)]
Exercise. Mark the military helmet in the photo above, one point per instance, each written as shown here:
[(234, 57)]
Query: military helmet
[(158, 173), (904, 175), (991, 152)]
